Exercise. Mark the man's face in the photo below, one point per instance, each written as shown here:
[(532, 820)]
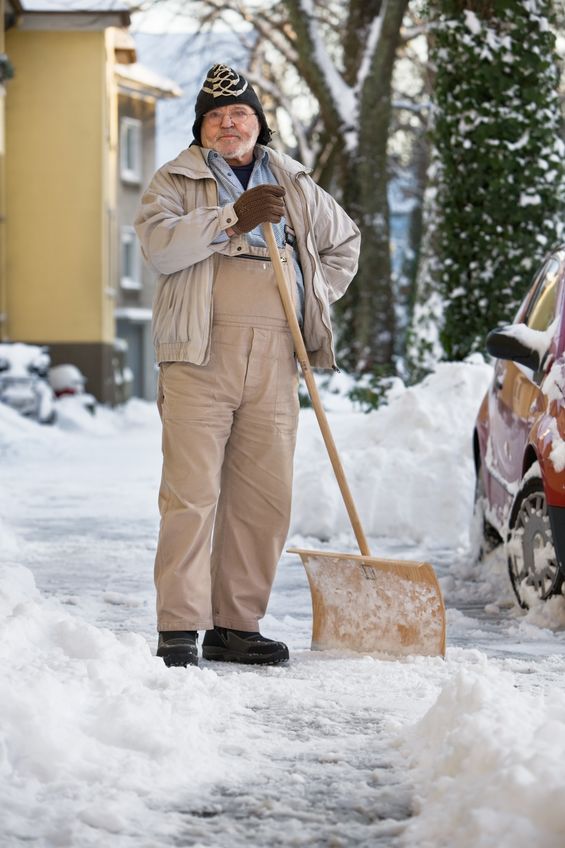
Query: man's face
[(231, 131)]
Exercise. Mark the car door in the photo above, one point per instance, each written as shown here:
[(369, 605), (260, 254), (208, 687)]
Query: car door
[(516, 399)]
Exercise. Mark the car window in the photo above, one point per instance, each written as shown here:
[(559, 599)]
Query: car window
[(541, 310), (523, 309)]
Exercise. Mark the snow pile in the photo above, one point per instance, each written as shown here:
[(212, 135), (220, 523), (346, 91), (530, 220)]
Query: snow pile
[(8, 542), (404, 462), (19, 435), (93, 720), (468, 580), (488, 762), (138, 413), (72, 415), (546, 614)]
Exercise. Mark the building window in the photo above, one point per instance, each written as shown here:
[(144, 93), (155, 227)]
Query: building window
[(130, 271), (130, 150)]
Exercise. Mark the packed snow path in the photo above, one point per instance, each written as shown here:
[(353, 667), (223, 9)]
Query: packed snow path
[(85, 518), (99, 741)]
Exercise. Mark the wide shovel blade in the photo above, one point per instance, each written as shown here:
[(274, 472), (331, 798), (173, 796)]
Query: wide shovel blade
[(361, 603), (375, 606)]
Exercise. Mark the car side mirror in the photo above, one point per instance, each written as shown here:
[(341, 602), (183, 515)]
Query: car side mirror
[(511, 342)]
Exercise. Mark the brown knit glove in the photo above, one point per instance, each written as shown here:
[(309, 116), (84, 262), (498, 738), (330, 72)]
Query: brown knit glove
[(257, 205)]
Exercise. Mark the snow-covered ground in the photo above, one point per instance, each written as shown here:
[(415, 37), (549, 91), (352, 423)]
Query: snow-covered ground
[(100, 744)]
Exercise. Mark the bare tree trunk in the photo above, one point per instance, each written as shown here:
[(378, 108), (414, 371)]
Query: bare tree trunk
[(367, 310), (409, 272)]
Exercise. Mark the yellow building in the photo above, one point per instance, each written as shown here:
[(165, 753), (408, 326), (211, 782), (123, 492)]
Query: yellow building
[(139, 89), (7, 13), (61, 276)]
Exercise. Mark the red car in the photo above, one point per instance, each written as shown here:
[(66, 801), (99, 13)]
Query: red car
[(519, 439)]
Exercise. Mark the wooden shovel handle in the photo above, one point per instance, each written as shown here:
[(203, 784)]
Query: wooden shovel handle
[(302, 356)]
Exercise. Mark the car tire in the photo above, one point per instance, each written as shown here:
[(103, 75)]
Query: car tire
[(49, 419), (532, 564), (485, 536)]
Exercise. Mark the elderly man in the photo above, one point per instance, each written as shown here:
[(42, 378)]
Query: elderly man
[(228, 379)]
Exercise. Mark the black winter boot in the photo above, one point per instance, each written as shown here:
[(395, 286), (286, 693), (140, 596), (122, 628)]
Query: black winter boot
[(240, 646), (178, 647)]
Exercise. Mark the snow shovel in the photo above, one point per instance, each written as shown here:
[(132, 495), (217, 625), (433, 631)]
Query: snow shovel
[(361, 603)]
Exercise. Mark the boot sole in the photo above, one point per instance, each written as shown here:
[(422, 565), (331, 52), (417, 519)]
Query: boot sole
[(178, 658), (223, 655), (175, 662)]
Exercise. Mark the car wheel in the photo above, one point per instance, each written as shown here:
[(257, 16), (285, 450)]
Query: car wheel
[(485, 537), (532, 564), (49, 419)]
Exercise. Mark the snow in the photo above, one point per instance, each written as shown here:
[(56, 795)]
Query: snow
[(100, 743), (557, 453), (490, 753), (19, 435), (370, 49), (397, 455), (523, 141), (472, 22), (554, 384), (20, 356), (549, 616), (529, 199)]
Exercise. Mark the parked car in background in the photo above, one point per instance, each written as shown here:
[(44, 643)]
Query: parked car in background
[(67, 381), (519, 439), (23, 381)]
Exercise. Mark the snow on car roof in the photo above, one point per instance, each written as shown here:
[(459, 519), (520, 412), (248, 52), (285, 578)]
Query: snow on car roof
[(20, 355)]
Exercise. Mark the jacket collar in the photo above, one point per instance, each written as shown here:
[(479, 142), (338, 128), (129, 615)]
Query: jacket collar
[(192, 162)]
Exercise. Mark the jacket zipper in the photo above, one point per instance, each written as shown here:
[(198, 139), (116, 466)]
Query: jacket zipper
[(214, 260)]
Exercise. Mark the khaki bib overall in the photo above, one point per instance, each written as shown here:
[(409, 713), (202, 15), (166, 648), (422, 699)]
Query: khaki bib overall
[(229, 432)]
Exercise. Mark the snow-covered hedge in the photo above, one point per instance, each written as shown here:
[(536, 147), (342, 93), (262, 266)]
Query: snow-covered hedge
[(499, 161)]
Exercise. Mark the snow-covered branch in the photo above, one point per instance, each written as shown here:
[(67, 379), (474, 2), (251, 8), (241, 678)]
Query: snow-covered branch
[(342, 95), (372, 46), (276, 35), (264, 23), (306, 154)]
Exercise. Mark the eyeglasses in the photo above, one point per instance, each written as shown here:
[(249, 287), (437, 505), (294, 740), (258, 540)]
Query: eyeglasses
[(237, 115)]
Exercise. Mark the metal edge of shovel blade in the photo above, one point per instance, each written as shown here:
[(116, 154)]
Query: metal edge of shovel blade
[(371, 605)]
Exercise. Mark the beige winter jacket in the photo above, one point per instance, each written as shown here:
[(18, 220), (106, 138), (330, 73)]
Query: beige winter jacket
[(177, 222)]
